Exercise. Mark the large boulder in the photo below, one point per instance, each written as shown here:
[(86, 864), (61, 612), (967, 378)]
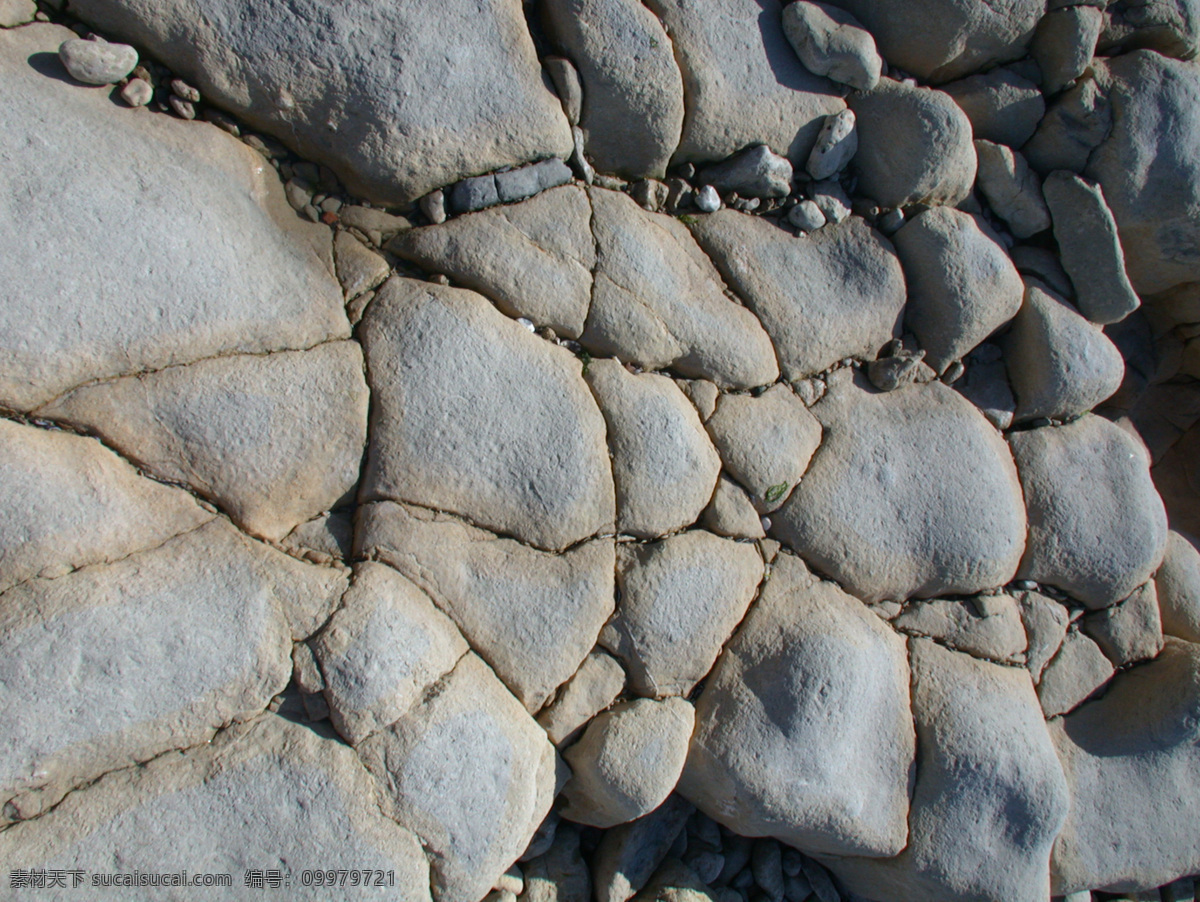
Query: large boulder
[(831, 42), (803, 730), (397, 98), (912, 493)]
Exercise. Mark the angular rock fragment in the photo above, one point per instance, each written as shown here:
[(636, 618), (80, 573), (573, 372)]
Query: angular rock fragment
[(359, 268), (985, 384), (1065, 43), (731, 513), (1012, 189), (1045, 622), (986, 626), (325, 538), (1129, 631), (755, 172), (831, 42), (1077, 122), (595, 686), (1075, 672), (1003, 107), (1178, 585)]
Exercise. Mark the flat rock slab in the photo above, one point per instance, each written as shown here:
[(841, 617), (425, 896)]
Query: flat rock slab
[(986, 626), (266, 793), (912, 493), (595, 686), (803, 730), (397, 99), (1077, 670), (474, 415), (125, 243), (272, 439)]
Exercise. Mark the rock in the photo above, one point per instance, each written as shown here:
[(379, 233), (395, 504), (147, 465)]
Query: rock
[(1072, 128), (527, 181), (831, 42), (323, 539), (1097, 529), (1012, 189), (1178, 584), (986, 769), (1045, 622), (806, 216), (79, 504), (272, 439), (900, 369), (664, 467), (1075, 672), (986, 626), (567, 85), (137, 92), (1043, 265), (16, 12), (627, 761), (382, 649), (203, 612), (593, 688), (756, 172), (525, 454), (650, 194), (832, 200), (181, 107), (731, 512), (962, 285), (674, 881), (629, 855), (743, 81), (1171, 27), (911, 494), (914, 146), (765, 442), (794, 703), (1065, 43), (1129, 631), (1003, 107), (1060, 365), (533, 259), (658, 302), (766, 863), (97, 62), (473, 821), (81, 173), (561, 875), (835, 148), (397, 100), (1091, 252), (376, 224), (359, 268), (680, 600), (532, 616), (985, 384), (1132, 762), (942, 40), (707, 199), (838, 293), (1178, 475), (269, 791), (634, 110)]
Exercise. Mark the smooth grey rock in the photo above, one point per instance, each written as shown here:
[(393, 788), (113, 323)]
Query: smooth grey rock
[(986, 773), (1073, 127), (474, 821), (1065, 43), (664, 466), (836, 293), (731, 512), (137, 92), (1178, 585), (1003, 107), (742, 79), (16, 12), (1060, 365), (81, 173), (525, 182), (898, 370), (911, 494), (1044, 265), (633, 111), (832, 200), (533, 259), (397, 100), (707, 199), (681, 599), (272, 439), (268, 791), (658, 302), (177, 641), (1075, 672), (567, 85), (755, 172), (1130, 630), (474, 415), (702, 393), (97, 62), (1045, 622), (985, 384), (1097, 529), (940, 40), (597, 683), (986, 626), (1132, 760), (628, 761), (806, 216), (835, 148), (382, 649), (532, 616), (629, 855), (359, 268), (831, 42), (914, 146), (1012, 189), (1090, 249), (765, 442), (962, 285), (560, 875)]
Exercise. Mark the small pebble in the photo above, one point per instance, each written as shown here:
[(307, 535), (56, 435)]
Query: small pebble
[(707, 200), (890, 222), (184, 90), (312, 212), (806, 216), (223, 122), (527, 323), (433, 206), (97, 62), (330, 205), (137, 92), (953, 372), (182, 108), (766, 524)]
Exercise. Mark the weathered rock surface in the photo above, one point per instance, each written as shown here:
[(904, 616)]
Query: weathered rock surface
[(474, 415), (755, 172), (1045, 622), (560, 875), (1012, 189), (394, 106), (1075, 672), (731, 513), (1074, 125), (359, 268), (1097, 528), (1003, 107), (835, 148), (912, 493), (798, 736), (16, 12), (1172, 27), (78, 170), (595, 686), (97, 62), (628, 855), (831, 42), (986, 626), (531, 615), (1065, 43), (681, 598), (837, 293), (1130, 630), (1178, 585)]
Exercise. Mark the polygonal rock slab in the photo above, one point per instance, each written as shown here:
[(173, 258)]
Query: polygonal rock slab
[(839, 292), (1012, 189), (1130, 630), (680, 600), (532, 616), (595, 685), (474, 820), (986, 626), (1045, 622), (1097, 528), (1075, 672), (126, 292), (912, 493), (474, 415), (262, 794), (397, 99), (804, 731)]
